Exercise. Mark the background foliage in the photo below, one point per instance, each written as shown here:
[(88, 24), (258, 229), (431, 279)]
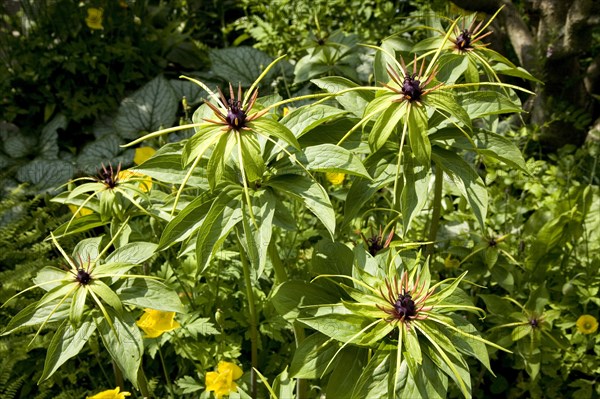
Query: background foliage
[(73, 95)]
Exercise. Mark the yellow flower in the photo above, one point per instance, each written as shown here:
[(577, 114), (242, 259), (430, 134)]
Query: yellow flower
[(286, 111), (221, 382), (82, 211), (451, 263), (142, 154), (110, 394), (155, 322), (587, 324), (335, 178), (145, 182), (94, 18)]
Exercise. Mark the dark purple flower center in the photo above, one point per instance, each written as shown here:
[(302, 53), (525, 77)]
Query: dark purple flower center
[(534, 323), (236, 116), (108, 176), (374, 244), (83, 277), (463, 41), (405, 306), (411, 88)]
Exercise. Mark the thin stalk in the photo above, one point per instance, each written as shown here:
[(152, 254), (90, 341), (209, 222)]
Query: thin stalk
[(301, 385), (280, 277), (437, 207), (280, 273), (396, 202), (143, 383), (252, 316), (167, 378), (118, 376)]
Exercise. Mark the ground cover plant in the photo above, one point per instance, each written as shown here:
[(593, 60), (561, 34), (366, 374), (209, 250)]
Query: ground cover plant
[(345, 237)]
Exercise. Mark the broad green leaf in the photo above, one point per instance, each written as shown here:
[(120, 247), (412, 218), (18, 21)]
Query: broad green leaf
[(387, 55), (51, 273), (45, 173), (77, 306), (263, 207), (336, 321), (105, 151), (66, 343), (499, 147), (312, 356), (466, 180), (452, 66), (134, 252), (80, 225), (270, 128), (254, 165), (487, 143), (445, 102), (311, 193), (221, 153), (521, 332), (415, 189), (205, 137), (362, 190), (112, 269), (166, 166), (288, 298), (373, 382), (148, 293), (331, 158), (483, 103), (354, 101), (186, 222), (223, 215), (385, 124), (417, 135), (123, 342), (332, 258), (148, 109), (106, 294), (428, 382), (87, 250), (441, 351), (302, 120), (35, 314), (351, 364), (241, 64)]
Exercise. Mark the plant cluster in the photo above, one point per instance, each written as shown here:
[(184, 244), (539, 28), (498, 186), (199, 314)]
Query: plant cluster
[(359, 240)]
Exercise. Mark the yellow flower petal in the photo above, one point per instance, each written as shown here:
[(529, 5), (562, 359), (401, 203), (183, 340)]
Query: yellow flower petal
[(110, 394), (155, 322), (233, 368), (587, 324), (221, 382), (82, 211), (335, 178), (94, 18), (145, 182), (142, 154)]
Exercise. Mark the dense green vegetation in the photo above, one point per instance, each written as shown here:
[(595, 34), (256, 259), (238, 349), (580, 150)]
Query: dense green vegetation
[(295, 199)]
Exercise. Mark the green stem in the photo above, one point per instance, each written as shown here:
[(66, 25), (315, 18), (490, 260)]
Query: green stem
[(252, 316), (118, 376), (280, 277), (143, 383), (437, 207), (280, 273), (164, 367), (301, 385)]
